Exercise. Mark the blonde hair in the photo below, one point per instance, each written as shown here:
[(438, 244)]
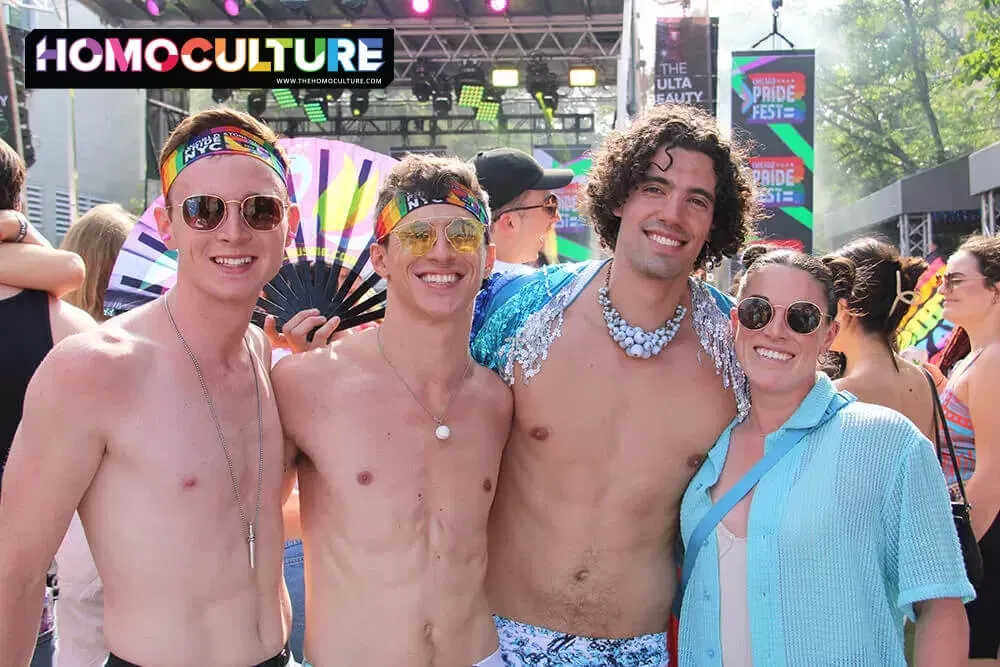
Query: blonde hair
[(97, 236)]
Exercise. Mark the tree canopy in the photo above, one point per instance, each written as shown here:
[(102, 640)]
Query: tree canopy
[(898, 98)]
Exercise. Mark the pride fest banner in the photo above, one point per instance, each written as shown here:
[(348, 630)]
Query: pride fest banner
[(773, 105), (572, 235), (924, 328)]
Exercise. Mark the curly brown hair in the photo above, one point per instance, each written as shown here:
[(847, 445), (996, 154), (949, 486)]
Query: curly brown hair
[(620, 165)]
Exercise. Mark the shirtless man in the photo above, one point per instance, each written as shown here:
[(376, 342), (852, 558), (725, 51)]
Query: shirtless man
[(117, 423), (609, 430), (400, 435)]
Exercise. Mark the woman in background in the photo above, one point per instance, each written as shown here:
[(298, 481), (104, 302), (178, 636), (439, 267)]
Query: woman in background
[(868, 315), (97, 237), (971, 291)]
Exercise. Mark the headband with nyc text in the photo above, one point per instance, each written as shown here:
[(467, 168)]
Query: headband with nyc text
[(221, 141), (405, 203)]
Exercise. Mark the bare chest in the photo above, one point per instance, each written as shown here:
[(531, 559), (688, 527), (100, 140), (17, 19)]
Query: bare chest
[(192, 456), (384, 455), (645, 422)]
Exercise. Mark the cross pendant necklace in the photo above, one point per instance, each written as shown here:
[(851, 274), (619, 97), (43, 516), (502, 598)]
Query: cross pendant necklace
[(251, 525)]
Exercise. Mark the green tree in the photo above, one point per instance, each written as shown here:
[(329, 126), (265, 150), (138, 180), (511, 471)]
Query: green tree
[(982, 61), (896, 100)]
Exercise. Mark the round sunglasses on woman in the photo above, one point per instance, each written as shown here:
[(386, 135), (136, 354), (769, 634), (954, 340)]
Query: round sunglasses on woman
[(802, 317)]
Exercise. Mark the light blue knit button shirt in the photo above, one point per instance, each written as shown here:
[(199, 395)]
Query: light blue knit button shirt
[(845, 533)]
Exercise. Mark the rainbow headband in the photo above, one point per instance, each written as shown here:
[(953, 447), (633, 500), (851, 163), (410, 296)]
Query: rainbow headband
[(406, 202), (221, 141)]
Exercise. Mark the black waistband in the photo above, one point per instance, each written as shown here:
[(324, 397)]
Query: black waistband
[(279, 660)]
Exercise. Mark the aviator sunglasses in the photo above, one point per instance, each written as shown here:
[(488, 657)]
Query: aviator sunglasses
[(551, 205), (204, 213), (419, 236), (802, 317)]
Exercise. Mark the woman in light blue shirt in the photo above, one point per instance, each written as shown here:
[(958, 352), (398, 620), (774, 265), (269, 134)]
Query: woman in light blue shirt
[(849, 531)]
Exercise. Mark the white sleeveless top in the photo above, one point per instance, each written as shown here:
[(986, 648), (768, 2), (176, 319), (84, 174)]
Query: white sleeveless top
[(734, 615)]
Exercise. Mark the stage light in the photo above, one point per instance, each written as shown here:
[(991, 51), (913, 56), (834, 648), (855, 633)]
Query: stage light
[(497, 6), (442, 98), (286, 98), (155, 7), (470, 84), (504, 77), (420, 6), (423, 85), (316, 107), (489, 106), (582, 77), (220, 95), (257, 103), (232, 7), (359, 102), (542, 84)]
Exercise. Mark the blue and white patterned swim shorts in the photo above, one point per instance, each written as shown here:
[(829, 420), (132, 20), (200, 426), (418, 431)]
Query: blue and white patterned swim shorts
[(523, 645)]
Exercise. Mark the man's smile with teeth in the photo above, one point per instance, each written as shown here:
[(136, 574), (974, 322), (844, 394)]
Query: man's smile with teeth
[(663, 240), (772, 354), (232, 261), (440, 277)]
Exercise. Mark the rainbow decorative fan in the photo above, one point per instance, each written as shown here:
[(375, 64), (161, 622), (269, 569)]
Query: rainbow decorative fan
[(327, 267)]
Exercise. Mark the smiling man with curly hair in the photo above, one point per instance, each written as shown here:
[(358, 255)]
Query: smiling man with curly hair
[(623, 376)]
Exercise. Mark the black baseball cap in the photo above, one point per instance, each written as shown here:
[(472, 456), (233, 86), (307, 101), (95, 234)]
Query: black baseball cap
[(507, 172)]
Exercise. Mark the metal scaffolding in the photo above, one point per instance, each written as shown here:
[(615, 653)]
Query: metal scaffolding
[(915, 234), (495, 41), (430, 126)]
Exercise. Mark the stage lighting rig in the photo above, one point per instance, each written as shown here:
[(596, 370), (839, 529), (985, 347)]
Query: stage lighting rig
[(257, 103), (489, 106), (420, 7), (286, 98), (221, 95), (441, 101), (359, 102), (497, 6), (155, 7), (470, 84), (542, 84), (423, 84)]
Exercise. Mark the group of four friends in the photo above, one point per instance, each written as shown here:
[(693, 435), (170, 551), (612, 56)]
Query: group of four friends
[(600, 387)]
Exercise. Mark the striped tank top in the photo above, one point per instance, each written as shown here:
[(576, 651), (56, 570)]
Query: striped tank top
[(963, 434)]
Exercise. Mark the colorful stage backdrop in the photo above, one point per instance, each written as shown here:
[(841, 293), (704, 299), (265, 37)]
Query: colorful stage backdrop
[(773, 105), (572, 239)]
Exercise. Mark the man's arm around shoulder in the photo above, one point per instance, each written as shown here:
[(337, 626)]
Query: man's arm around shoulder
[(55, 454)]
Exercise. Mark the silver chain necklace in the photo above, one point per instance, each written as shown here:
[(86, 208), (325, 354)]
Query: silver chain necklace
[(251, 525), (636, 341), (442, 432)]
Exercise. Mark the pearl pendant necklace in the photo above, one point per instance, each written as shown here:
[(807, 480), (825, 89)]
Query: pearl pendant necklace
[(636, 341), (442, 432)]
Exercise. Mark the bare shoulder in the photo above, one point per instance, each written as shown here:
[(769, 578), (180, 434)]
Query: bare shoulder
[(100, 362), (67, 320), (493, 390), (985, 372), (260, 345), (327, 364)]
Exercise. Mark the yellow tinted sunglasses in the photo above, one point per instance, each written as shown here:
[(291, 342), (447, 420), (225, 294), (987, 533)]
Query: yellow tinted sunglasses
[(419, 236)]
